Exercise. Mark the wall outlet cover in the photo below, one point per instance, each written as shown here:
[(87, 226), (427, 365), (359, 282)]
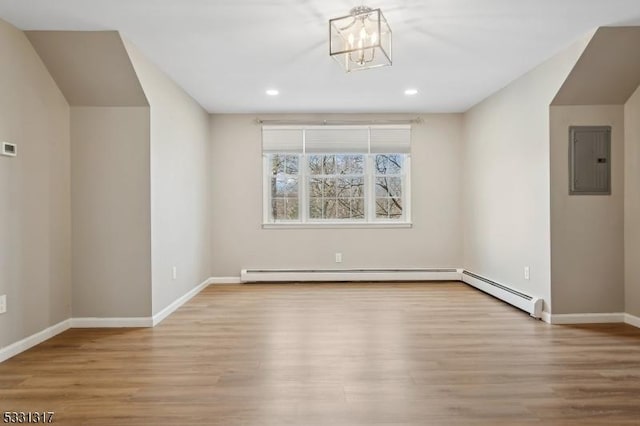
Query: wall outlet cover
[(9, 149)]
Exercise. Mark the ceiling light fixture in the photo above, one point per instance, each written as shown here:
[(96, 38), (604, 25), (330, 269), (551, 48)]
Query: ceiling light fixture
[(411, 92), (360, 40), (272, 92)]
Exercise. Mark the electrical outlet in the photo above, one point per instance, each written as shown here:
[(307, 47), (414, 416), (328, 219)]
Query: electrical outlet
[(338, 257), (174, 272), (9, 149), (3, 304), (526, 273)]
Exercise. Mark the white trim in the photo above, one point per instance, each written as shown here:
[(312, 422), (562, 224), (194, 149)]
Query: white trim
[(546, 317), (593, 318), (360, 124), (358, 275), (406, 187), (370, 189), (266, 183), (39, 337), (369, 175), (224, 280), (632, 320), (328, 275), (533, 305), (33, 340), (157, 318), (336, 225), (93, 322)]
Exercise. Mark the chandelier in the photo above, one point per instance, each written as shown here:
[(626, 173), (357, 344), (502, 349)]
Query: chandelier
[(360, 40)]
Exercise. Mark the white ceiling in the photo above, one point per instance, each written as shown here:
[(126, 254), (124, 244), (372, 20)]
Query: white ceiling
[(227, 53)]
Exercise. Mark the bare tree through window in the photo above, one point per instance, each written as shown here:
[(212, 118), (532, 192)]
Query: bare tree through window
[(284, 187), (335, 186), (388, 181)]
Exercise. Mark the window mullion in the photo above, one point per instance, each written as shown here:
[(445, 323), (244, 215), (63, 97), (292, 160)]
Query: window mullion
[(406, 188), (369, 192), (266, 193), (302, 188)]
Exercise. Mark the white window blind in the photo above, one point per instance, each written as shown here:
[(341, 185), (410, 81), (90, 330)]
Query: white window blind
[(375, 139), (278, 139), (390, 140), (337, 140)]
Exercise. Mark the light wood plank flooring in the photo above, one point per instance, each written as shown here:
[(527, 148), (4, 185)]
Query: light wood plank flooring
[(337, 354)]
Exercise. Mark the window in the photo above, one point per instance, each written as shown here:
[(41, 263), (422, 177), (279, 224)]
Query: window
[(332, 175), (388, 180), (284, 186), (336, 186)]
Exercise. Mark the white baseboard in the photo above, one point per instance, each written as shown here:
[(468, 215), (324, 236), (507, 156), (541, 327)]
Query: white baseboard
[(33, 340), (132, 322), (338, 275), (224, 280), (595, 318), (157, 318), (546, 317), (92, 322), (41, 336), (632, 320), (590, 318)]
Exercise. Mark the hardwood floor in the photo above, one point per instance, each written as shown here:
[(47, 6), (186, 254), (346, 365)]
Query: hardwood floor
[(338, 354)]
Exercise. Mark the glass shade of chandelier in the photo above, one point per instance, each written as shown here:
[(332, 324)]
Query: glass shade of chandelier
[(360, 40)]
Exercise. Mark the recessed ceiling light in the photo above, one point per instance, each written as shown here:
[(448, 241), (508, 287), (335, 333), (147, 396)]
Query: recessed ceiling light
[(411, 92), (272, 92)]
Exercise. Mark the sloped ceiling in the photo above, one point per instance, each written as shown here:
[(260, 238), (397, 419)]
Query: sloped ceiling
[(608, 71), (91, 68)]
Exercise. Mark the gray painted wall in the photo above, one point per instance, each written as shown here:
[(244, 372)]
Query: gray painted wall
[(91, 68), (110, 201), (632, 204), (180, 185), (506, 178), (240, 242), (35, 266), (587, 231), (607, 72)]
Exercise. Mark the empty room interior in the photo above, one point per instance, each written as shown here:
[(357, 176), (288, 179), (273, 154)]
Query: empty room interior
[(315, 212)]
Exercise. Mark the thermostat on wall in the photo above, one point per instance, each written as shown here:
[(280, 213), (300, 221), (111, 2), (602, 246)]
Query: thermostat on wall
[(9, 149)]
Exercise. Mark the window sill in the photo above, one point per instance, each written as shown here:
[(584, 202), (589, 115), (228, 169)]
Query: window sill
[(337, 225)]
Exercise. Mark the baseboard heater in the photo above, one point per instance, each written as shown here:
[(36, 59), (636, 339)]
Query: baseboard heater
[(530, 304), (327, 275)]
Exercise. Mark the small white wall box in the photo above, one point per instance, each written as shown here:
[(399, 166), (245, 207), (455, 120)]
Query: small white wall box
[(9, 149)]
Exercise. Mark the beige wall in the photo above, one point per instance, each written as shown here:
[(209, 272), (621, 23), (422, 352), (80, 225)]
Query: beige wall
[(632, 204), (111, 212), (587, 231), (506, 178), (91, 68), (34, 193), (240, 242), (110, 201), (180, 185), (607, 72)]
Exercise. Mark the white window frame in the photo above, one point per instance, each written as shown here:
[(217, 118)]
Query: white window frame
[(304, 176)]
